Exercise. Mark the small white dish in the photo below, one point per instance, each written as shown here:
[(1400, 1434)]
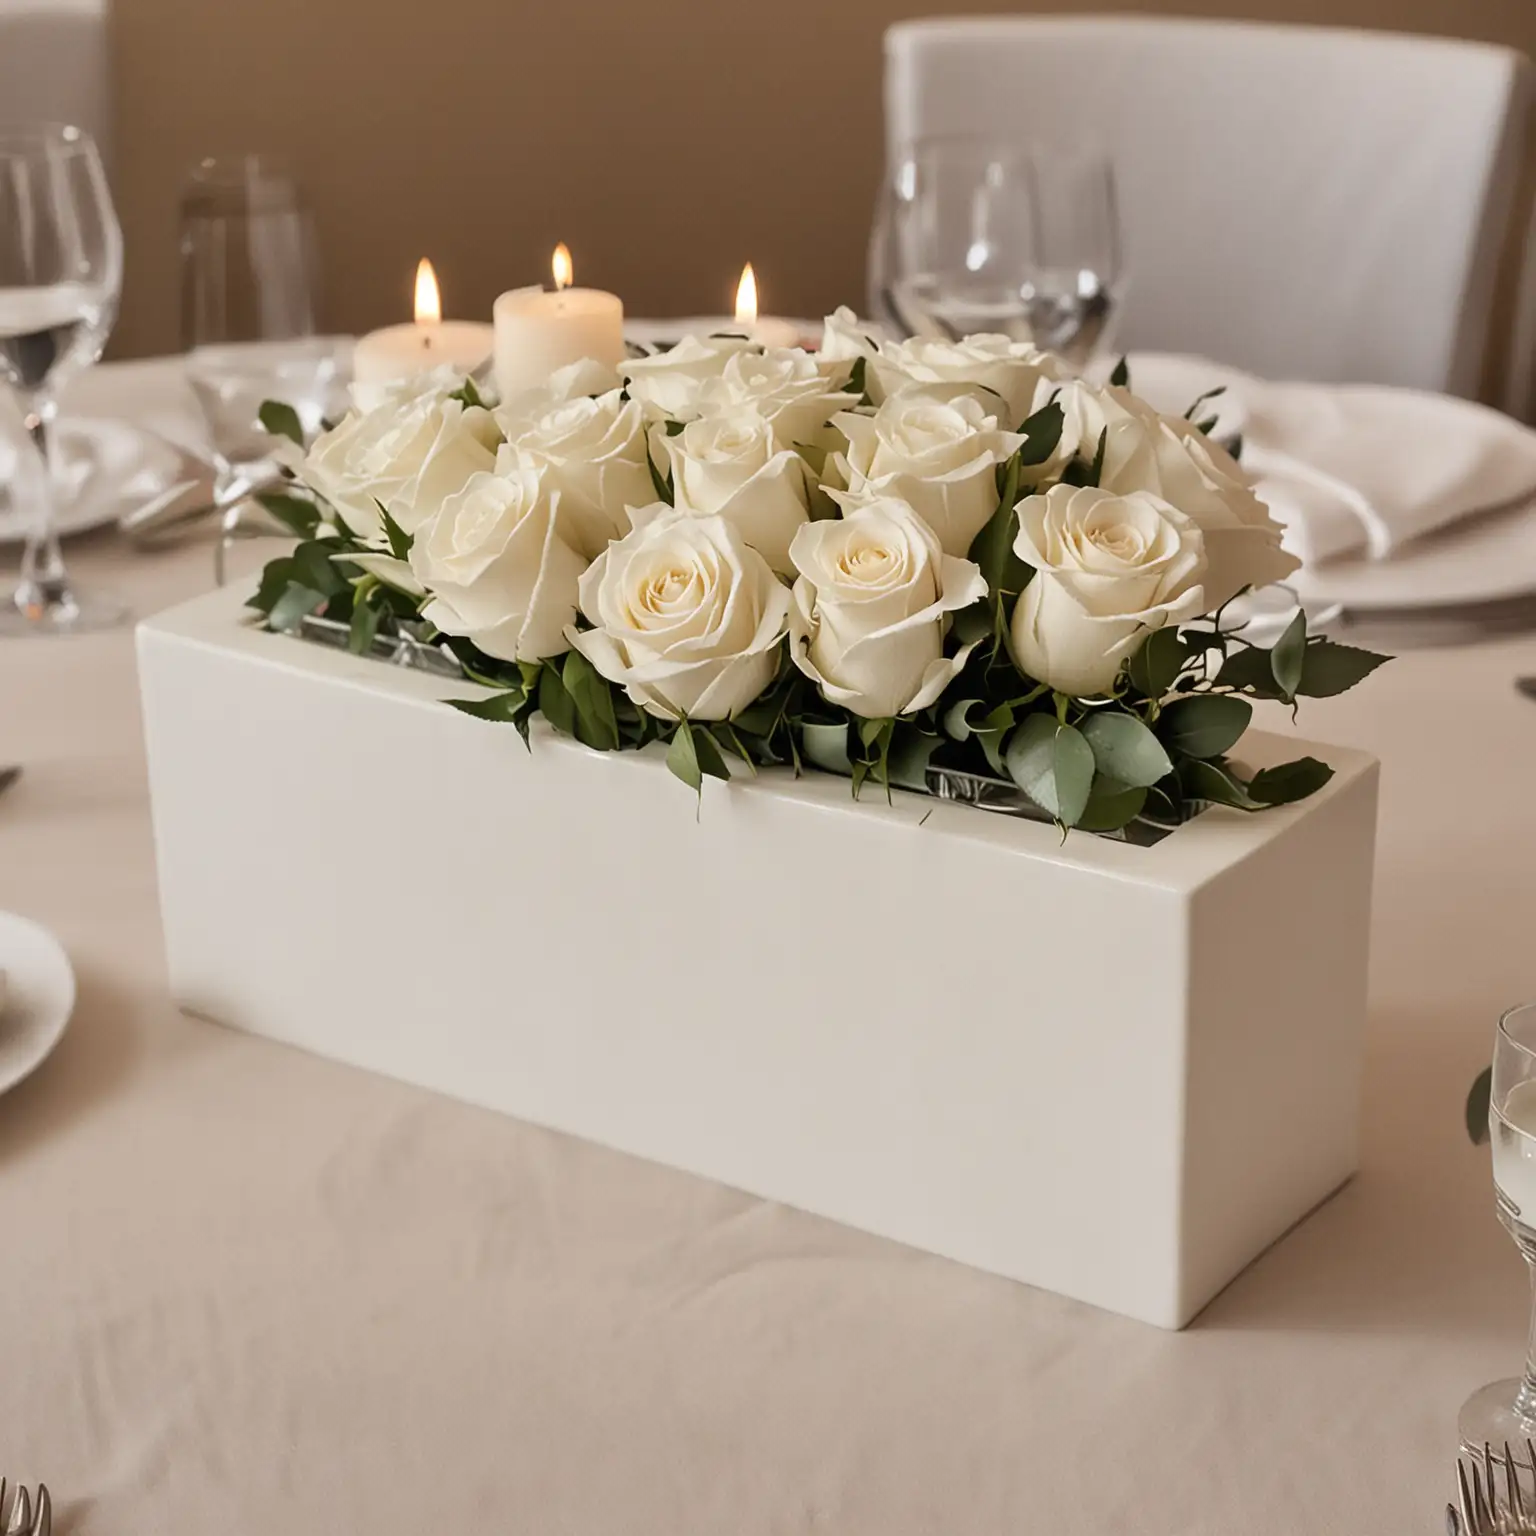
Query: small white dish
[(105, 467), (39, 997)]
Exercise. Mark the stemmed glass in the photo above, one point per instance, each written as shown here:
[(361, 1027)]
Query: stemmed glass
[(61, 270), (977, 235), (249, 299), (1505, 1411)]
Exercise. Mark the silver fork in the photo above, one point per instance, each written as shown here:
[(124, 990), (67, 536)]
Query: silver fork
[(28, 1519), (1483, 1511)]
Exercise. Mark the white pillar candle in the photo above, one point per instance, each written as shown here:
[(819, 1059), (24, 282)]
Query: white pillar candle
[(402, 351), (767, 332), (539, 332)]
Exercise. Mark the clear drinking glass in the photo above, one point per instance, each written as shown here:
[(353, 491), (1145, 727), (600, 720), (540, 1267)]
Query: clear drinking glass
[(976, 235), (61, 270), (249, 300), (1505, 1411)]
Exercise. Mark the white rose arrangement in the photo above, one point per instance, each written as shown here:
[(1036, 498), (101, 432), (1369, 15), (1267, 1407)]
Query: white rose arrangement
[(884, 559)]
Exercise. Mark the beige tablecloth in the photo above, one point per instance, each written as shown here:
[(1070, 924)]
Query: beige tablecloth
[(248, 1291)]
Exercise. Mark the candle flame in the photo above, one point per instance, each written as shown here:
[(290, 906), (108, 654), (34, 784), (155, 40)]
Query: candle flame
[(429, 303), (564, 272), (746, 296)]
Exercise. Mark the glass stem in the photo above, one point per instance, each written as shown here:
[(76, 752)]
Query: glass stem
[(1525, 1398), (44, 591)]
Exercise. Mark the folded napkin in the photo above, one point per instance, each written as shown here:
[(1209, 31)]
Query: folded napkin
[(1356, 470)]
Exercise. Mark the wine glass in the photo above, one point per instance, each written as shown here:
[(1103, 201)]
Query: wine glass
[(978, 235), (61, 270), (249, 300), (1505, 1411)]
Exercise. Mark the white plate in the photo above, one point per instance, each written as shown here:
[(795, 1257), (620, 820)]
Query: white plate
[(106, 467), (40, 996)]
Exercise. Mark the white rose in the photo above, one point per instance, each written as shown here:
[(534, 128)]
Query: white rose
[(844, 337), (939, 456), (871, 609), (1172, 459), (496, 566), (667, 384), (584, 377), (732, 465), (435, 381), (410, 454), (790, 389), (1109, 569), (688, 619), (1012, 370), (594, 453)]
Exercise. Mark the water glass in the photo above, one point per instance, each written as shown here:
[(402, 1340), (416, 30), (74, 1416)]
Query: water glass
[(61, 270), (973, 234), (249, 303), (1505, 1411)]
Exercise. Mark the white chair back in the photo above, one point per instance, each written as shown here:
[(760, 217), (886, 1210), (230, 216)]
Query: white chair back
[(1299, 202), (54, 66)]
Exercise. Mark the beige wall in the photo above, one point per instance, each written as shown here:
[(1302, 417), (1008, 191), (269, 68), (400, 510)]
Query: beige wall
[(665, 140)]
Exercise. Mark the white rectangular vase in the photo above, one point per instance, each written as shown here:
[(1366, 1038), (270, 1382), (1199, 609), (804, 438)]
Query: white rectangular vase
[(1113, 1071)]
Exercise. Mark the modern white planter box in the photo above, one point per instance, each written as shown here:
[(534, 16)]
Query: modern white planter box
[(1113, 1071)]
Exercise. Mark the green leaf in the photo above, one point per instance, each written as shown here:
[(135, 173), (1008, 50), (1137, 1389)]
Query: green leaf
[(710, 759), (555, 703), (365, 625), (1096, 473), (300, 517), (281, 420), (1247, 668), (1053, 765), (663, 488), (1125, 750), (500, 707), (1235, 445), (827, 746), (1479, 1104), (314, 567), (1211, 781), (1121, 377), (296, 603), (399, 540), (1111, 806), (973, 623), (872, 729), (856, 379), (1155, 668), (1329, 669), (1204, 726), (1042, 433), (992, 548), (468, 392), (1288, 657), (275, 576), (597, 725), (911, 753), (694, 754), (956, 721), (675, 428), (1289, 782)]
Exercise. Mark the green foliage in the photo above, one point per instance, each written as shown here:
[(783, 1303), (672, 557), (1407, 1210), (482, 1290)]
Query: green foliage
[(1121, 377), (661, 484), (468, 392), (399, 540), (1125, 749), (281, 420), (1289, 782), (1054, 765), (1205, 726), (302, 518), (694, 755)]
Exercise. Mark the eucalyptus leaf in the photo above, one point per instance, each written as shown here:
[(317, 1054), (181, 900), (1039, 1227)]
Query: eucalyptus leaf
[(364, 626), (1042, 434), (1289, 782), (295, 604), (826, 746), (1247, 668), (555, 702), (298, 516), (956, 721), (1125, 750), (973, 623), (281, 420), (1288, 658), (1111, 806), (1211, 781), (1206, 725), (1121, 377), (1155, 668), (1053, 765), (314, 566), (911, 753)]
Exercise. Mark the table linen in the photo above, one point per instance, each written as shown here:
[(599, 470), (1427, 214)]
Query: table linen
[(247, 1290)]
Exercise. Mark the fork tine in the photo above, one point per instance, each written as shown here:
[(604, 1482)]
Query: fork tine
[(21, 1513), (1452, 1521), (1513, 1497), (1481, 1515), (1468, 1507), (44, 1526)]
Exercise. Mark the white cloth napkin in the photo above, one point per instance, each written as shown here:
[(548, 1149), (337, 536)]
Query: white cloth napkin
[(1355, 470)]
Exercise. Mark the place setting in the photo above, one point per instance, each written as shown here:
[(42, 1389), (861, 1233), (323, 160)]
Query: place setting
[(873, 829)]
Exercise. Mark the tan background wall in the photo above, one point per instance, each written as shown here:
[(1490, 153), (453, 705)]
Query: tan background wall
[(665, 140)]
